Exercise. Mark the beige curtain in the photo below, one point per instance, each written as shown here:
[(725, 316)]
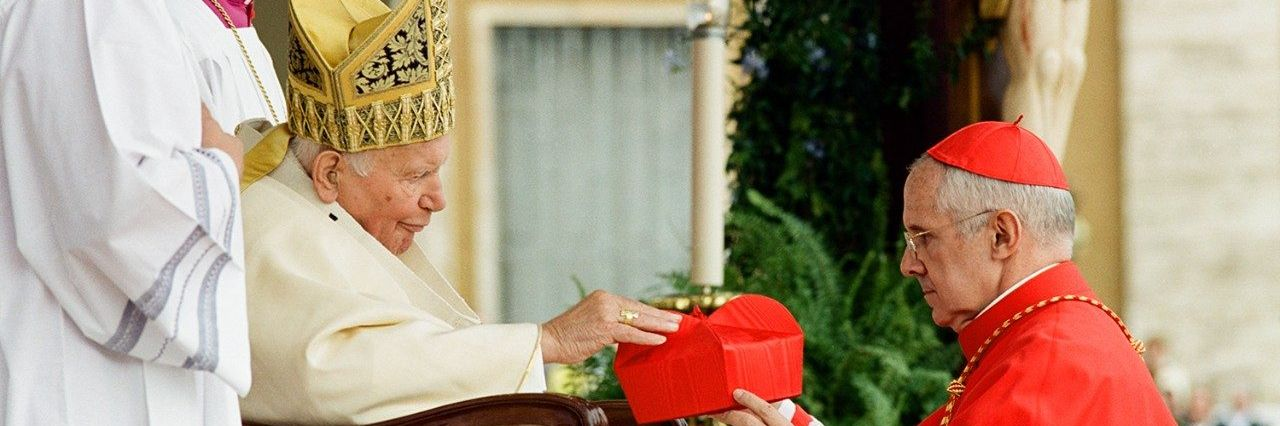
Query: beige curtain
[(593, 157)]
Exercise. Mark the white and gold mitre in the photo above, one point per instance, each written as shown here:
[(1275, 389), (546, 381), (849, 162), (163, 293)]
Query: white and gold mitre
[(362, 76)]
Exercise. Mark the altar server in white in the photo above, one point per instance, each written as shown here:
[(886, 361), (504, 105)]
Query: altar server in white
[(121, 267)]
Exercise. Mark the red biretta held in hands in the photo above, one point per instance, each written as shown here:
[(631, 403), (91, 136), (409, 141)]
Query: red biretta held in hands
[(751, 343), (1003, 151)]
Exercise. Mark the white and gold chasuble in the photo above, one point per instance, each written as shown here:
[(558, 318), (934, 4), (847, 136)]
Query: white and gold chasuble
[(343, 331)]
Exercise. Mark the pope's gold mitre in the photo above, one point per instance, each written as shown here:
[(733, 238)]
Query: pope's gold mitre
[(362, 76)]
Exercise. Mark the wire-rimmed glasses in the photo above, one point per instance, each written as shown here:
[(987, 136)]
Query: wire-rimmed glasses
[(911, 238)]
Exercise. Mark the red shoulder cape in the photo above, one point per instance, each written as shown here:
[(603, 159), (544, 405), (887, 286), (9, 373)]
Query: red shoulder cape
[(1065, 364)]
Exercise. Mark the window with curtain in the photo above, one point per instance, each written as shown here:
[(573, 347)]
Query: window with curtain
[(593, 161)]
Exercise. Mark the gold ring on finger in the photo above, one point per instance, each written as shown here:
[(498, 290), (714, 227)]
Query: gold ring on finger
[(627, 316)]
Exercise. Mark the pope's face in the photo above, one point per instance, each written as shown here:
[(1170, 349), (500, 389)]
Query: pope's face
[(396, 200), (955, 281)]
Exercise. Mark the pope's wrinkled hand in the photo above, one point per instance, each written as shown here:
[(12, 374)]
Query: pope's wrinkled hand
[(758, 413), (598, 321), (212, 137)]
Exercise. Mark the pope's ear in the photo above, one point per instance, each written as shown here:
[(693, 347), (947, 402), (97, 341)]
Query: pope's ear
[(324, 175), (1008, 234)]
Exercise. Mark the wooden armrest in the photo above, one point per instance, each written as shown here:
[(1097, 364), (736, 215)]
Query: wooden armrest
[(619, 413), (524, 409), (512, 409)]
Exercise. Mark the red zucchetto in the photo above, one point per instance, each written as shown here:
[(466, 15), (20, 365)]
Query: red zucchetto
[(1002, 151)]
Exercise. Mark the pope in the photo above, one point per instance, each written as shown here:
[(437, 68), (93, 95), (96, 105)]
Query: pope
[(348, 320)]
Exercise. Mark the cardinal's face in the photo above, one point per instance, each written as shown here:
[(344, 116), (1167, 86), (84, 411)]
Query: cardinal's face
[(954, 279)]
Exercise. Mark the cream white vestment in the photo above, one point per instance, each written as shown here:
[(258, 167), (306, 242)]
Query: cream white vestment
[(121, 266), (343, 331)]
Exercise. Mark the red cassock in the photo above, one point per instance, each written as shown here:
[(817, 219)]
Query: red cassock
[(1067, 362)]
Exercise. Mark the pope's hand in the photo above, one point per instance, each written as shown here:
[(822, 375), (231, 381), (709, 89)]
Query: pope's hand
[(758, 413), (212, 137), (598, 321)]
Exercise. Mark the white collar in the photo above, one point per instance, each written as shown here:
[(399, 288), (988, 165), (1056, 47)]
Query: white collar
[(1015, 287)]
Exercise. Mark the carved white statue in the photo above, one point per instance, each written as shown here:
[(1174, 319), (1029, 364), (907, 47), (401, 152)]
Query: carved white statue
[(1044, 46)]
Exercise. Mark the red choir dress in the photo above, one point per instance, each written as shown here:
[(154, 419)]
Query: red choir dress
[(1066, 362)]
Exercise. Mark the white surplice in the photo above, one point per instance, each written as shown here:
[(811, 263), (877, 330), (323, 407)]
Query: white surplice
[(227, 84), (121, 260)]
